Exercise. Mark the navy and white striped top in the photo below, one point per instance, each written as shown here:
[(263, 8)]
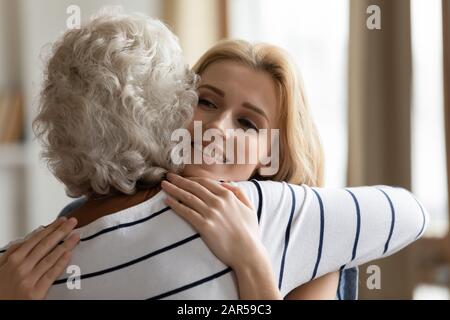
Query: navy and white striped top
[(148, 252)]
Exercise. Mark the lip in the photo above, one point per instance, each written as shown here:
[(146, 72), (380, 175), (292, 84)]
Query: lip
[(219, 154)]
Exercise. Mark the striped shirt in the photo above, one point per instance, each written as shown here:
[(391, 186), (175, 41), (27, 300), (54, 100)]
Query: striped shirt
[(148, 252)]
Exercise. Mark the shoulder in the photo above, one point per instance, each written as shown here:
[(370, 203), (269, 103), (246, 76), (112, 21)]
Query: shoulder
[(274, 194), (72, 206), (261, 184)]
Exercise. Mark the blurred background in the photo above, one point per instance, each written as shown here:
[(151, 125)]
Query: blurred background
[(380, 98)]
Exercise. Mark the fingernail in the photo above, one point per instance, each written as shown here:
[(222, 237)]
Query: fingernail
[(73, 221)]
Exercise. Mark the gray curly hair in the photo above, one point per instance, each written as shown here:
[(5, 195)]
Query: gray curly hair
[(114, 91)]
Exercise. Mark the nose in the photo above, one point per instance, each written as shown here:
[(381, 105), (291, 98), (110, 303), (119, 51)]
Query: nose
[(221, 122)]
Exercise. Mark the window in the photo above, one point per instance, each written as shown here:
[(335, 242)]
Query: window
[(315, 33), (429, 175)]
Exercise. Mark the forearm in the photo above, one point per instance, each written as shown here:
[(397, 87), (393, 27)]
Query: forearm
[(256, 280)]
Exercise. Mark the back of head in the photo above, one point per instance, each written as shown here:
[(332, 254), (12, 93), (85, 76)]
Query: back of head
[(114, 91)]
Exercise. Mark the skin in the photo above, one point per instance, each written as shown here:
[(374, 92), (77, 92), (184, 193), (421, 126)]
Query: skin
[(225, 92), (221, 213), (28, 269)]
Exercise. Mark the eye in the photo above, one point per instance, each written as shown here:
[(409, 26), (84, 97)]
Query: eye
[(207, 103), (247, 124)]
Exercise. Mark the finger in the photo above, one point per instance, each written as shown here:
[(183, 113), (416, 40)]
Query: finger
[(45, 282), (14, 245), (193, 187), (8, 252), (24, 250), (50, 260), (49, 242), (239, 194), (191, 216), (212, 185), (186, 197)]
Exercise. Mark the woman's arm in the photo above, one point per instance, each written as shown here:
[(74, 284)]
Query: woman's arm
[(329, 228), (256, 279), (323, 288), (334, 228), (256, 282), (230, 230), (225, 219), (259, 278)]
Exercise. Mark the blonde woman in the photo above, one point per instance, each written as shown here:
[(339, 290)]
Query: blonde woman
[(115, 91), (232, 73)]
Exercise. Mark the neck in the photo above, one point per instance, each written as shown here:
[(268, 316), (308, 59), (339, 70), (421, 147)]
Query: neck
[(98, 206)]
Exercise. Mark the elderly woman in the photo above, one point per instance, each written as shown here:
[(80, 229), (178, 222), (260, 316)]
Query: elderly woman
[(114, 93)]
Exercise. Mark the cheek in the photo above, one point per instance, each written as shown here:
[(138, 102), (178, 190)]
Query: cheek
[(249, 150), (252, 149), (197, 116), (259, 148)]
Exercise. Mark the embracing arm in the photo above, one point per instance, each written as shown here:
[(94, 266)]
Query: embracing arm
[(230, 230), (335, 228), (351, 226), (227, 223), (330, 229), (323, 288), (374, 222), (256, 281)]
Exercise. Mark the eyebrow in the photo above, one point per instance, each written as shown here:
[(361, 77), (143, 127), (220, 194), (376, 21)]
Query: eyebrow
[(245, 104), (212, 88), (255, 109)]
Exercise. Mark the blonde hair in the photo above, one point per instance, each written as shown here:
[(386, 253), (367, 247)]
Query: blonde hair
[(114, 91), (301, 154)]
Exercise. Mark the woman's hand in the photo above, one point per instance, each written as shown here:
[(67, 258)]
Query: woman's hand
[(28, 269), (228, 224)]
